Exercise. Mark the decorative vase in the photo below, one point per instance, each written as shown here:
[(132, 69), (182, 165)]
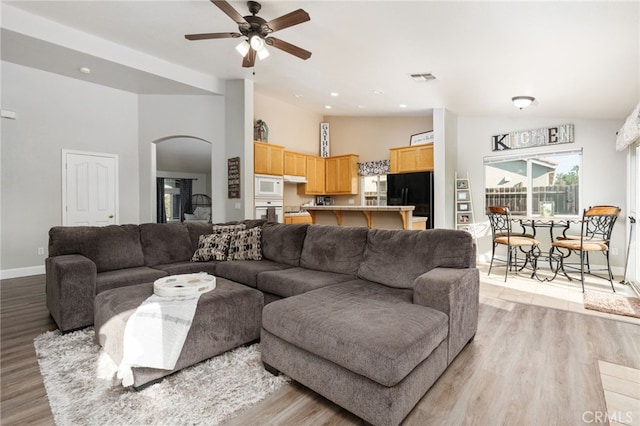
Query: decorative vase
[(261, 131)]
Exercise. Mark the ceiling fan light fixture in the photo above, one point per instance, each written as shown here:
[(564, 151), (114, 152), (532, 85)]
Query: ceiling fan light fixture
[(522, 101), (243, 48), (263, 53), (256, 42)]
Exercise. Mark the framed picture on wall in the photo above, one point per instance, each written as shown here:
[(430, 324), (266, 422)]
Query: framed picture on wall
[(463, 195), (462, 184), (462, 207), (463, 218)]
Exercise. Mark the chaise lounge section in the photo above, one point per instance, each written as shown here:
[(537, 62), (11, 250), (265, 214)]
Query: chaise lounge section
[(374, 345)]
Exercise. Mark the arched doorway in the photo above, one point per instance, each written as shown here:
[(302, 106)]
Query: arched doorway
[(181, 172)]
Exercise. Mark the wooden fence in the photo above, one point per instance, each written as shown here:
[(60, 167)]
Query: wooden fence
[(564, 198)]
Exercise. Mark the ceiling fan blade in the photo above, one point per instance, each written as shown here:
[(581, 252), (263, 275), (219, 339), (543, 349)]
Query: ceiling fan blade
[(206, 36), (288, 47), (249, 59), (230, 11), (290, 19)]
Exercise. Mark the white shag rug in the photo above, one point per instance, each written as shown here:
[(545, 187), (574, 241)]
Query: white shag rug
[(83, 390)]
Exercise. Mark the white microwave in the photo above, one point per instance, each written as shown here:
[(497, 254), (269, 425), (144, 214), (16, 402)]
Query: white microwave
[(268, 187)]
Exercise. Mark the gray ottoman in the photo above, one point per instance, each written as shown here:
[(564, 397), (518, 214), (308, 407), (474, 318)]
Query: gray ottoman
[(226, 317)]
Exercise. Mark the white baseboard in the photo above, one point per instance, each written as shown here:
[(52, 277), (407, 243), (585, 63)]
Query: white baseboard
[(21, 272)]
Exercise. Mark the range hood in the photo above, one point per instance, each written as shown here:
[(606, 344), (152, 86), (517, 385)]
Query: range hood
[(294, 179)]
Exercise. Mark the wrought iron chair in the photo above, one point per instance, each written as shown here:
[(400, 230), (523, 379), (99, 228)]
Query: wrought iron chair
[(502, 234), (595, 236)]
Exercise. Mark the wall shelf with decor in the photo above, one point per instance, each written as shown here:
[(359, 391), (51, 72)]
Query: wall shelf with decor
[(464, 205)]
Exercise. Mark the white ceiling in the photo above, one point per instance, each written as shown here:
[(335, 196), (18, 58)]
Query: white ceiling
[(579, 59)]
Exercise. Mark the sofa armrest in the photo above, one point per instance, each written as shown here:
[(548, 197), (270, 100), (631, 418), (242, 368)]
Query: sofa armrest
[(456, 292), (71, 288)]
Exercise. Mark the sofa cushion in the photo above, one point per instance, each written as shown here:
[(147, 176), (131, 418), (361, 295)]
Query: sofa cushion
[(164, 243), (188, 267), (228, 228), (292, 281), (246, 271), (364, 327), (212, 247), (414, 253), (333, 248), (283, 243), (245, 245), (126, 277), (195, 230), (109, 247)]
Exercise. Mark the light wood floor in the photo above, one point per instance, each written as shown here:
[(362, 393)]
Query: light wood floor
[(528, 365)]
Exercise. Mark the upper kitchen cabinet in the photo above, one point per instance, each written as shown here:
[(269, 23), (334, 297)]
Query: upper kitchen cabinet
[(295, 164), (268, 159), (315, 177), (342, 174), (411, 158)]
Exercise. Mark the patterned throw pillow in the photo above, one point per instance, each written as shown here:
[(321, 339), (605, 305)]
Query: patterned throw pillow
[(245, 245), (212, 247), (225, 229)]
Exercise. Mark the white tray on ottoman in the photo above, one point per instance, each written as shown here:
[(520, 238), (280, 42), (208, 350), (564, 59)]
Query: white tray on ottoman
[(226, 317)]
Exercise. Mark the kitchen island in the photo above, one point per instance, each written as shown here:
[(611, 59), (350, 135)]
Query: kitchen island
[(383, 217)]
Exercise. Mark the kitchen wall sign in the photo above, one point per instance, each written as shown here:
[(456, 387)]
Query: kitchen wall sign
[(421, 138), (324, 139), (536, 137), (233, 177)]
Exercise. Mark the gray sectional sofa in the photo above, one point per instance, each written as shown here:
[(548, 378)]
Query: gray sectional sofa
[(367, 318)]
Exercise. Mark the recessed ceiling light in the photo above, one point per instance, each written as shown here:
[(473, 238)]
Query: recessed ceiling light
[(335, 94), (361, 106), (402, 105), (85, 70), (328, 107), (298, 95), (378, 92)]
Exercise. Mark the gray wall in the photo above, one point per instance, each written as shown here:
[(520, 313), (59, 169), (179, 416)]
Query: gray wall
[(163, 116), (55, 113), (239, 133), (603, 168)]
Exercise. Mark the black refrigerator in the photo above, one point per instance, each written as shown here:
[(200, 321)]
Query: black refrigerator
[(412, 189)]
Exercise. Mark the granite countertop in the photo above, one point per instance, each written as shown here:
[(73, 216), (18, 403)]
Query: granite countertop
[(362, 208)]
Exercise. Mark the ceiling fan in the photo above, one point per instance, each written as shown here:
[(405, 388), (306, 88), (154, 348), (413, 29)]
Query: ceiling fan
[(256, 32)]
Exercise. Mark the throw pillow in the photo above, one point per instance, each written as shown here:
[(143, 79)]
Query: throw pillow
[(222, 229), (211, 247), (245, 245)]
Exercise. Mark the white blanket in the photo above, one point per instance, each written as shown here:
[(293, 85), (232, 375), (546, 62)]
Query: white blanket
[(155, 333)]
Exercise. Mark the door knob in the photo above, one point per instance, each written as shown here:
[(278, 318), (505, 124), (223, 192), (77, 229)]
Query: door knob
[(110, 216)]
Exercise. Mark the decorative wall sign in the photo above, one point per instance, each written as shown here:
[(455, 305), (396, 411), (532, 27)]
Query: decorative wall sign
[(233, 177), (536, 137), (324, 139), (421, 138)]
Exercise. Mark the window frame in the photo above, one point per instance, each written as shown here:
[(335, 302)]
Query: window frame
[(528, 157)]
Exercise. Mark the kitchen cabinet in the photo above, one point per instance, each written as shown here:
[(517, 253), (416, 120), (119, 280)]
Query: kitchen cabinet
[(268, 159), (411, 159), (315, 177), (295, 164), (342, 174)]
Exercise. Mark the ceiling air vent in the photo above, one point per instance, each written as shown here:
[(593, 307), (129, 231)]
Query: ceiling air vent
[(423, 77)]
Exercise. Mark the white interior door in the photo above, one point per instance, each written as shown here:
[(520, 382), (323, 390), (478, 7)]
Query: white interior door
[(90, 189)]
